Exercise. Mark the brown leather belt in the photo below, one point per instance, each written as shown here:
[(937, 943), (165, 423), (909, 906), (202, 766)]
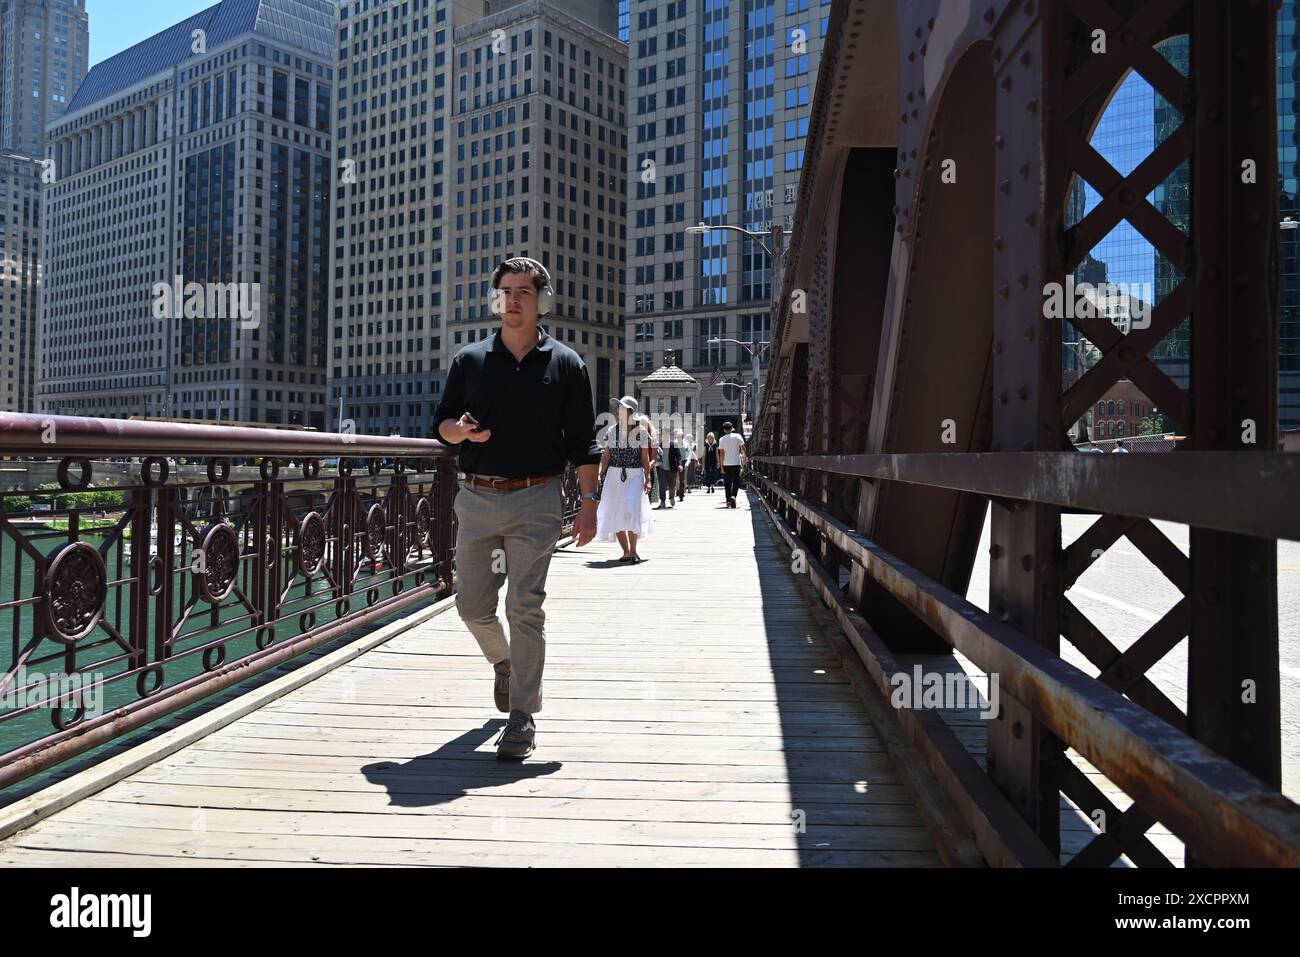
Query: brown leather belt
[(507, 485)]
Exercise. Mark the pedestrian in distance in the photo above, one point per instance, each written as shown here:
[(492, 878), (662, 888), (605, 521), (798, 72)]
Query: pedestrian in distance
[(710, 461), (732, 455), (623, 514), (669, 466), (687, 462)]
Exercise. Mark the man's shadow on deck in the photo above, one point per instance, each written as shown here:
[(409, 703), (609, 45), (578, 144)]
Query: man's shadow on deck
[(453, 770)]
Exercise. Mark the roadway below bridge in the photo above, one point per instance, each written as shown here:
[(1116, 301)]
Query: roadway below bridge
[(1123, 594)]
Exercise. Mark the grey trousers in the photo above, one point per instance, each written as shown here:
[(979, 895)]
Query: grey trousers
[(508, 537)]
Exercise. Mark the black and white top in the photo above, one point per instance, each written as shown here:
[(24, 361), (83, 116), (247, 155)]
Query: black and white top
[(625, 456)]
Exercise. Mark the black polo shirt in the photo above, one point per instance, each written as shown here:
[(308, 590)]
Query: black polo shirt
[(539, 410)]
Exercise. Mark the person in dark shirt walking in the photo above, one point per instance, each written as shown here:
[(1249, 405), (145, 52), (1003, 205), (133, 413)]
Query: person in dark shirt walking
[(669, 463), (520, 406), (710, 461)]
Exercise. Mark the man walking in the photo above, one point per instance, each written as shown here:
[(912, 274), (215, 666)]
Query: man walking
[(520, 402), (669, 464), (687, 463), (731, 452)]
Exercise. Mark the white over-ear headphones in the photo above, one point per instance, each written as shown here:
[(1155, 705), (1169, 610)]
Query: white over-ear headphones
[(545, 295)]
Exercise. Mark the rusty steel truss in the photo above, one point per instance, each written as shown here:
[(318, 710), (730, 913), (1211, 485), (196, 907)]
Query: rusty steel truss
[(923, 385)]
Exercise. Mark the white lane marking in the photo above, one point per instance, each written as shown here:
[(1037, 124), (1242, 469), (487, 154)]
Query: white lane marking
[(1145, 615), (1133, 610)]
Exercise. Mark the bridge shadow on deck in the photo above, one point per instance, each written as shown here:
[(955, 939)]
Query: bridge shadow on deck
[(853, 806)]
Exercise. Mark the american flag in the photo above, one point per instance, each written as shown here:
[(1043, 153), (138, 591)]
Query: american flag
[(717, 374)]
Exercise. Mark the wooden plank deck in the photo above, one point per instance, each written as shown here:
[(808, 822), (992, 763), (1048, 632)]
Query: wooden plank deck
[(693, 716)]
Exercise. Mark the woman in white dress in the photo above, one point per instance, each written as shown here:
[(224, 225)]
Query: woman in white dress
[(623, 514)]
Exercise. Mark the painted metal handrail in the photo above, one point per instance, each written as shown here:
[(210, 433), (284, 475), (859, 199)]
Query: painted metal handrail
[(188, 583)]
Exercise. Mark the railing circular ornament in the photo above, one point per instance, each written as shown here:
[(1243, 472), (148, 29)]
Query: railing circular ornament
[(154, 471), (218, 470), (214, 656), (148, 681), (423, 520), (83, 468), (75, 588), (311, 544), (221, 561), (78, 705), (375, 527)]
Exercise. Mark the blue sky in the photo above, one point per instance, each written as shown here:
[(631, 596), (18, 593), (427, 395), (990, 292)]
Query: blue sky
[(118, 24)]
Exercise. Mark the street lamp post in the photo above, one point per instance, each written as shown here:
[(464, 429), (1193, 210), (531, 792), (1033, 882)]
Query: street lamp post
[(776, 256), (744, 395), (754, 349), (1080, 349)]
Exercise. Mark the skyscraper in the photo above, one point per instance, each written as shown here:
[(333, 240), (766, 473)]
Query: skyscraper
[(1288, 155), (20, 248), (570, 183), (489, 130), (43, 53), (44, 46), (717, 136), (391, 134), (198, 160)]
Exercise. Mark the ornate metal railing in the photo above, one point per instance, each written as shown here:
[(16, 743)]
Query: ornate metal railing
[(170, 583)]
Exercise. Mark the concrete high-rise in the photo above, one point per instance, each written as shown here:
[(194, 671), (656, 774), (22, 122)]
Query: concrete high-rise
[(201, 160), (43, 54), (20, 247), (486, 130), (391, 118), (44, 48), (722, 92)]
